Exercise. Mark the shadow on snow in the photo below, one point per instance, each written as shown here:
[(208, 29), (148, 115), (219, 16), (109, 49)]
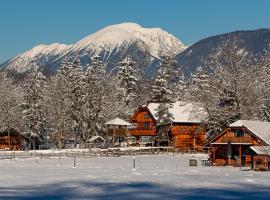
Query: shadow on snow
[(130, 191)]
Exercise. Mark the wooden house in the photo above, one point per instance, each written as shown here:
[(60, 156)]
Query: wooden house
[(186, 130), (12, 140), (240, 143)]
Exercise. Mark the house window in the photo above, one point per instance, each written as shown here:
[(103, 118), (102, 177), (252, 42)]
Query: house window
[(238, 133), (147, 116), (147, 125)]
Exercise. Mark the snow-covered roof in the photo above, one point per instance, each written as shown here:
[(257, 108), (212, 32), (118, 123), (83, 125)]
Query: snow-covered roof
[(119, 122), (260, 129), (261, 150), (92, 139), (182, 112)]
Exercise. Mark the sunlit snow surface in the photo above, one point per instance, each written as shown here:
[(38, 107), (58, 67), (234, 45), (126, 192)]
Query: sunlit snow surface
[(155, 177)]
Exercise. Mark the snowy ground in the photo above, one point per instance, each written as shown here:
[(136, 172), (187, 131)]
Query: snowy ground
[(156, 177)]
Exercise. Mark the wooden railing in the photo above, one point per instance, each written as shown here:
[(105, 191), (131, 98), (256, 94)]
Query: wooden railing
[(138, 132), (245, 140), (141, 126)]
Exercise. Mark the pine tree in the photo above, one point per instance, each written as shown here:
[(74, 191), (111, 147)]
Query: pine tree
[(33, 109), (163, 95), (75, 98), (58, 107), (93, 108), (128, 75)]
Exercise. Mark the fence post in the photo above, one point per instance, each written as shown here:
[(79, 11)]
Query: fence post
[(59, 157), (74, 160), (35, 158), (134, 164)]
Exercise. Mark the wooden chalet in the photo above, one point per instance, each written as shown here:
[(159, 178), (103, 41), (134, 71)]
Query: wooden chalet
[(242, 144), (185, 132), (12, 140)]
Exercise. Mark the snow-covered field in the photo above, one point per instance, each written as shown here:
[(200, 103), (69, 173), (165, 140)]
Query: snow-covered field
[(155, 177)]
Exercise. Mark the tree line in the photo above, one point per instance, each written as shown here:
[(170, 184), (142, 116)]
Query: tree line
[(76, 101)]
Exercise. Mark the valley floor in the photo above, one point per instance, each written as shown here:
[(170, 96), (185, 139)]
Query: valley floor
[(155, 177)]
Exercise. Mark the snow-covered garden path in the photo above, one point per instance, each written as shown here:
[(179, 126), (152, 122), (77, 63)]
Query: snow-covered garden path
[(156, 177)]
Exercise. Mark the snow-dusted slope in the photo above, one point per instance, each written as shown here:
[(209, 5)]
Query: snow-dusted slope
[(157, 40), (39, 55), (112, 43)]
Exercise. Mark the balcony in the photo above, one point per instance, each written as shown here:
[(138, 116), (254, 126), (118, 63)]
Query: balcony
[(239, 140), (145, 126), (142, 132)]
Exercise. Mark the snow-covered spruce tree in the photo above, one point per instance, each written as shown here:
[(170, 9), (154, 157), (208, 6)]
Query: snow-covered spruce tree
[(73, 71), (180, 86), (33, 108), (94, 98), (198, 86), (10, 100), (128, 75), (163, 95), (115, 103), (65, 102), (58, 105)]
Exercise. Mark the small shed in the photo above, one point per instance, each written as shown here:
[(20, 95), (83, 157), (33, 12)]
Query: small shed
[(96, 141), (261, 158), (118, 128)]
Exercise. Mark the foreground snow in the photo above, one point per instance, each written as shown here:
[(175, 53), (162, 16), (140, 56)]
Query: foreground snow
[(155, 177)]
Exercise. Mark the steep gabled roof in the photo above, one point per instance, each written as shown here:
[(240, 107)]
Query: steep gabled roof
[(182, 112), (258, 128)]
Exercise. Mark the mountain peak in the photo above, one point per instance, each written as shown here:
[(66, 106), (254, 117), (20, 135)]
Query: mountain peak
[(112, 42), (156, 39)]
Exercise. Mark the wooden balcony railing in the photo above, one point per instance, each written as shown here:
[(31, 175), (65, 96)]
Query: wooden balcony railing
[(242, 140), (145, 126), (145, 132)]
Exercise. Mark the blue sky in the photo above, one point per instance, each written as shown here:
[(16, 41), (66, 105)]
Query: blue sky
[(26, 23)]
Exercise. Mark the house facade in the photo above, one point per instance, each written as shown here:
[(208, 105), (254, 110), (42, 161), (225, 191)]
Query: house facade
[(185, 132), (12, 140), (239, 144)]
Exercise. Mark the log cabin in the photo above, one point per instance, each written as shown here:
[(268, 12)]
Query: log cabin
[(241, 144), (185, 132), (12, 140)]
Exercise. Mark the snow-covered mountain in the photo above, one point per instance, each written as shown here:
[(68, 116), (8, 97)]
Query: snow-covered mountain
[(112, 43)]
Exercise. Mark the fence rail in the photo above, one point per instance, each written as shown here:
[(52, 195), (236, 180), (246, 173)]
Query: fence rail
[(86, 153)]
